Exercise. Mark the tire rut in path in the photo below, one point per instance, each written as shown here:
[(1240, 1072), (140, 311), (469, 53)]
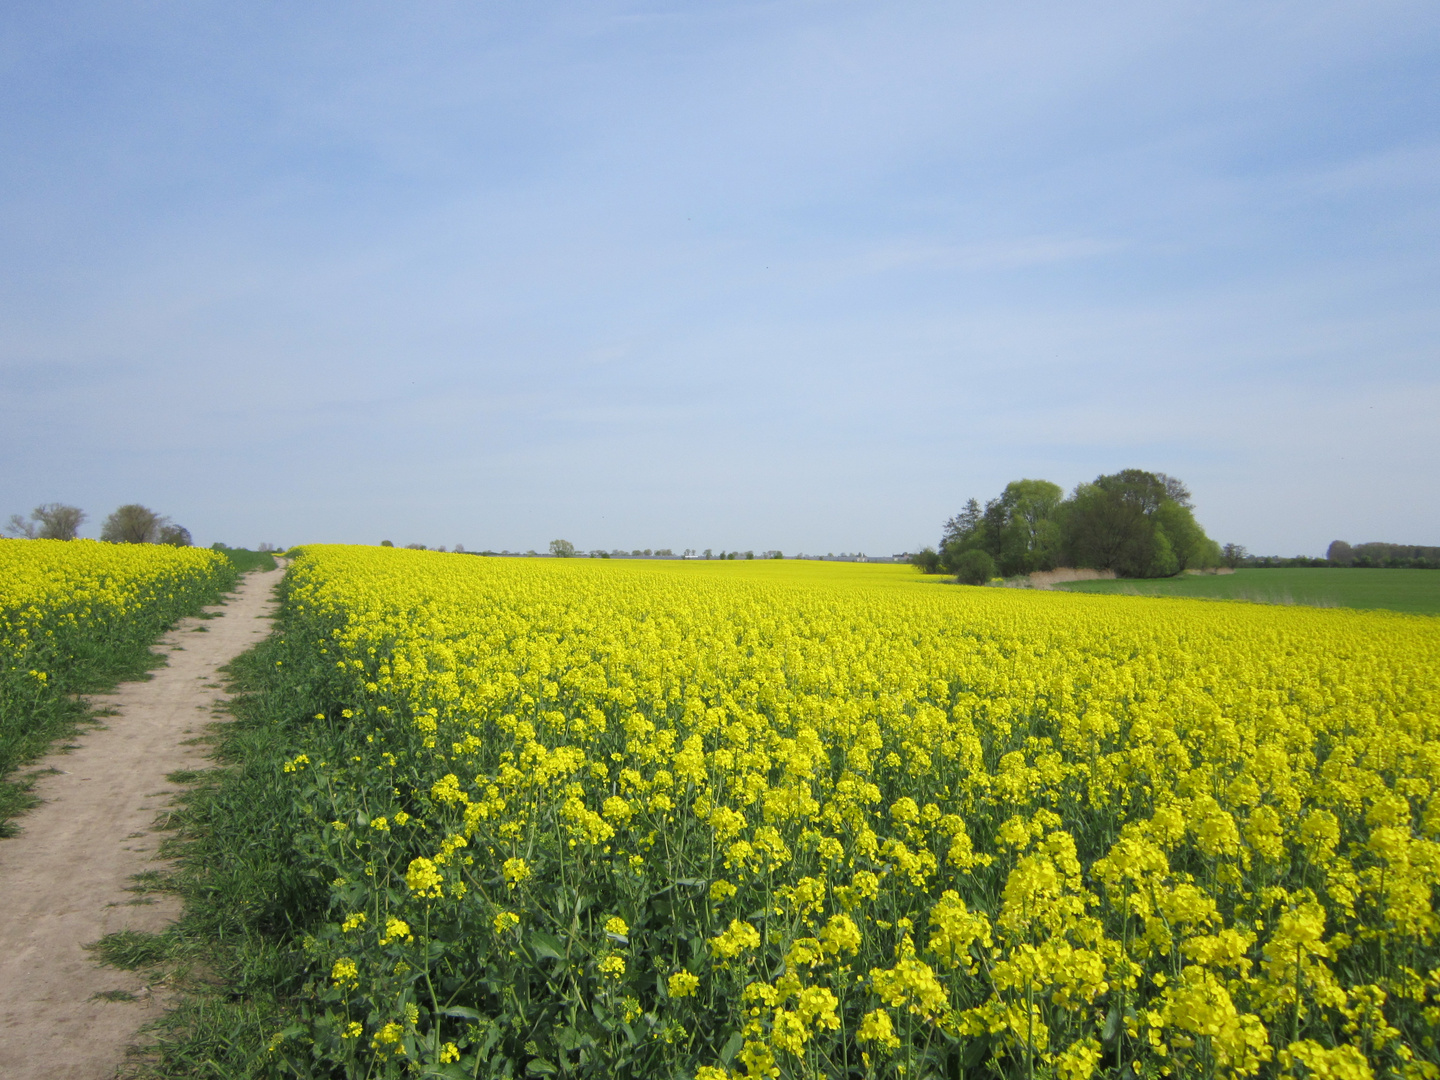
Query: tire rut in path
[(63, 880)]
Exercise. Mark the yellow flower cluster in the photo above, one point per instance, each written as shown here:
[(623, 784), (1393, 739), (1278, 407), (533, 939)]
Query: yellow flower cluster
[(875, 821)]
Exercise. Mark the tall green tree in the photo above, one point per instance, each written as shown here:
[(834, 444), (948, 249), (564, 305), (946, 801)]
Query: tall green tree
[(1105, 531), (1137, 523), (1026, 534)]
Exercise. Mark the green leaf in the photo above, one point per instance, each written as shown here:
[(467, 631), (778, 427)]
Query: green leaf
[(568, 1038), (546, 946), (540, 1067), (491, 1038), (974, 1053), (1112, 1025), (732, 1047)]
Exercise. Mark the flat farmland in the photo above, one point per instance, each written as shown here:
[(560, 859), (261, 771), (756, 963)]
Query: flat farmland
[(1415, 591)]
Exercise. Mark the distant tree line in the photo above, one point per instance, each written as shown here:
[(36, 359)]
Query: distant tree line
[(1392, 556), (1341, 554), (130, 524), (1138, 524)]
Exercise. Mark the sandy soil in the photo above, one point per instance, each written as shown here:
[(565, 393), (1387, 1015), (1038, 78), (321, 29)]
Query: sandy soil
[(63, 879)]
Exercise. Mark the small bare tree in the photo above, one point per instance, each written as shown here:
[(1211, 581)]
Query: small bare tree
[(50, 521), (20, 527)]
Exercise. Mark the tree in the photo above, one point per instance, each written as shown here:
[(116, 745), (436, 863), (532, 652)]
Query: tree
[(1234, 554), (133, 524), (963, 525), (387, 543), (1020, 528), (974, 567), (1175, 490), (58, 521), (49, 521), (964, 531), (1104, 531), (562, 549), (174, 535), (19, 527), (1175, 524), (1146, 490), (926, 560), (1137, 523)]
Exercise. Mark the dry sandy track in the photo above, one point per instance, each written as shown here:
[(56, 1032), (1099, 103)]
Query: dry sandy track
[(63, 880)]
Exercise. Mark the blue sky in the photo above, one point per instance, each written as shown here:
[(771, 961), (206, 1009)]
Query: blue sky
[(732, 275)]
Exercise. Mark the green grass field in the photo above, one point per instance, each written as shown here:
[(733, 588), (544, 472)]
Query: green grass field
[(1416, 591), (244, 560)]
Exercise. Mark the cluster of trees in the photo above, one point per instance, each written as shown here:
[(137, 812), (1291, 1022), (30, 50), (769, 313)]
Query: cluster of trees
[(130, 524), (1136, 523)]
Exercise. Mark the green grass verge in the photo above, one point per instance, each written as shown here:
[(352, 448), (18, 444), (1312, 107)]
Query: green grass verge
[(245, 560), (236, 955), (1416, 591)]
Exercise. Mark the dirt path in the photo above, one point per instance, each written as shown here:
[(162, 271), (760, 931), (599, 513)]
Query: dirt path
[(63, 879)]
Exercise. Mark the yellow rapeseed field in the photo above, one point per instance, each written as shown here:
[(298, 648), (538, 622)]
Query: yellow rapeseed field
[(71, 610), (584, 817)]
